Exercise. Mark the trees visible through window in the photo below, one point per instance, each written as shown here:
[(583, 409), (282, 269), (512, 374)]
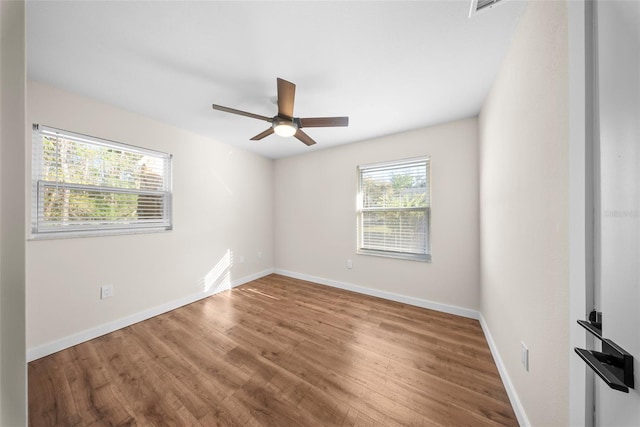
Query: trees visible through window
[(83, 185), (394, 209)]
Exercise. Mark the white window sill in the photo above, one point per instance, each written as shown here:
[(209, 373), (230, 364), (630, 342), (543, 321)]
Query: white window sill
[(396, 255), (54, 235)]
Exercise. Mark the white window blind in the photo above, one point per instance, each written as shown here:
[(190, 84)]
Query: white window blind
[(394, 209), (88, 185)]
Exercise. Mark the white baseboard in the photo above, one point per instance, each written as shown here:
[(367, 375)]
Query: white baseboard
[(523, 420), (89, 334), (451, 309)]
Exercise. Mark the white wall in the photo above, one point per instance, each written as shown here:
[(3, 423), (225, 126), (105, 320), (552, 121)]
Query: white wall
[(222, 209), (524, 193), (13, 373), (315, 227)]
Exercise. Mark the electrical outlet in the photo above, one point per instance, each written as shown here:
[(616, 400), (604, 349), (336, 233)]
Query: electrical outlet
[(349, 264), (241, 259), (106, 291), (524, 356), (259, 254)]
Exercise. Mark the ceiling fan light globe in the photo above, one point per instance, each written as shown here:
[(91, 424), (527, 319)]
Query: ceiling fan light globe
[(285, 129)]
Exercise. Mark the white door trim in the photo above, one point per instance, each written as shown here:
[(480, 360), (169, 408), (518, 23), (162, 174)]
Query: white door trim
[(577, 203)]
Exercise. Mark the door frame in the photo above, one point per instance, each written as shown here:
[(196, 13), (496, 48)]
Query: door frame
[(581, 206)]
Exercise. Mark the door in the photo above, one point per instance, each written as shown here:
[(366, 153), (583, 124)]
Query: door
[(618, 209)]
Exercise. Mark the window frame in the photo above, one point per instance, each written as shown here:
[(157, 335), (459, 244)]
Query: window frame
[(360, 210), (138, 226)]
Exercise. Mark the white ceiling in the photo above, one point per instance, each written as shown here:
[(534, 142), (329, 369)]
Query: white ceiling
[(390, 66)]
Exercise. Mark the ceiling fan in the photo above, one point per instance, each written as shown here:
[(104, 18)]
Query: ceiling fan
[(283, 123)]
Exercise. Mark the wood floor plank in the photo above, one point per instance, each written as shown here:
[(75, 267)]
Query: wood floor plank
[(277, 351)]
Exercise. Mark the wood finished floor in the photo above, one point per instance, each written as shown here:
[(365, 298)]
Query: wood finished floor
[(277, 352)]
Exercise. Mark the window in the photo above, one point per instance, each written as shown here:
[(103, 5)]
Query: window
[(86, 185), (394, 209)]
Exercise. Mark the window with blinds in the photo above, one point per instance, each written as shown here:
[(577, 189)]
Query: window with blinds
[(87, 185), (394, 209)]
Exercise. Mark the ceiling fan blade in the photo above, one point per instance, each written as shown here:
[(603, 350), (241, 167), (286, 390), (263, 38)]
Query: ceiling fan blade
[(323, 122), (241, 113), (261, 135), (286, 96), (304, 137)]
